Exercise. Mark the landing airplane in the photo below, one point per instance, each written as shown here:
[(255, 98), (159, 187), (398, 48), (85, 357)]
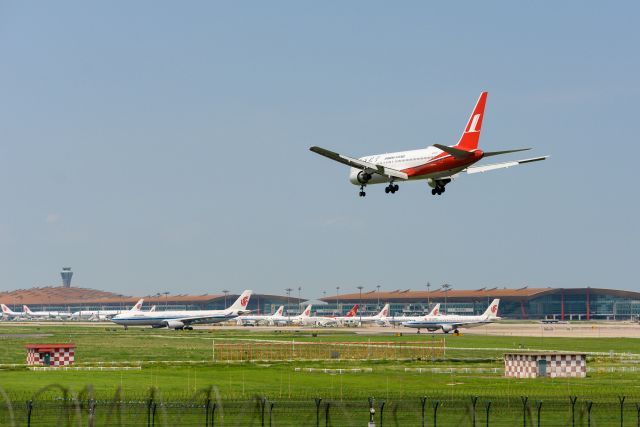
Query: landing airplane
[(105, 314), (183, 319), (45, 314), (438, 164), (7, 312), (269, 319), (448, 323)]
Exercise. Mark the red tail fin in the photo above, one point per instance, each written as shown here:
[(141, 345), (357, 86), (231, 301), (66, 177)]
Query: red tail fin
[(353, 311), (471, 135)]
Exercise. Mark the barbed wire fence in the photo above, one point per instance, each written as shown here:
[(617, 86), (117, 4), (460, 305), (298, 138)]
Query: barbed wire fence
[(56, 405)]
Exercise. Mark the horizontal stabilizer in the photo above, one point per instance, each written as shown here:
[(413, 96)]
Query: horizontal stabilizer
[(497, 153), (455, 152), (494, 166)]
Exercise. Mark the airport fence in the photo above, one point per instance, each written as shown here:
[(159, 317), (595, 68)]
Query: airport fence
[(249, 350), (206, 409)]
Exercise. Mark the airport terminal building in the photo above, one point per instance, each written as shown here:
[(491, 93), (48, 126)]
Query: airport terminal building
[(522, 303)]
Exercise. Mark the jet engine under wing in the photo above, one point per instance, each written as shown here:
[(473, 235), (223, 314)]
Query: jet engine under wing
[(504, 165), (360, 164)]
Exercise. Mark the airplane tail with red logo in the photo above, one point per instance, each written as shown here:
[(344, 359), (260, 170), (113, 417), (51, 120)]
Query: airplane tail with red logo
[(353, 311), (492, 311), (471, 135), (242, 302), (26, 309), (138, 305), (384, 313), (435, 311), (7, 310), (279, 311), (306, 312)]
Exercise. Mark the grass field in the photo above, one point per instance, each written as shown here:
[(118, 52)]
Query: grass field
[(179, 367)]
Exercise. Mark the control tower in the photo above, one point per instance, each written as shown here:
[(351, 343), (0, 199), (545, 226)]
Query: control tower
[(66, 274)]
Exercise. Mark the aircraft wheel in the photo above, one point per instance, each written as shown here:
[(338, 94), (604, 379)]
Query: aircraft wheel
[(387, 189), (362, 194), (433, 192), (396, 188), (443, 189), (456, 332)]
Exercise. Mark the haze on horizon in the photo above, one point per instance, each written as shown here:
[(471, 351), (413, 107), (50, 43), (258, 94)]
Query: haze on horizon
[(157, 146)]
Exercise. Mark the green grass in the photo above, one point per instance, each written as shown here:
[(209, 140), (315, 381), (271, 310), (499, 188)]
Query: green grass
[(280, 382)]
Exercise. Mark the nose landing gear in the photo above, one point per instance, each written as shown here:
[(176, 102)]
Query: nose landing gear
[(362, 192)]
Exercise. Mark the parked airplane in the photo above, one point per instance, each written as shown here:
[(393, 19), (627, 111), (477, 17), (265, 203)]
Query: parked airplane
[(183, 319), (438, 164), (105, 314), (448, 323), (351, 318), (45, 314), (435, 311), (8, 313), (306, 319), (269, 319), (381, 318)]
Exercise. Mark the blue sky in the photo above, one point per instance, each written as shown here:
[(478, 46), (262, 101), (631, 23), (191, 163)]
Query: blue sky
[(158, 146)]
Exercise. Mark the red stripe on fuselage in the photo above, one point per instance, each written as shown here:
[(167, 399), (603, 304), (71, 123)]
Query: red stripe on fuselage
[(443, 162)]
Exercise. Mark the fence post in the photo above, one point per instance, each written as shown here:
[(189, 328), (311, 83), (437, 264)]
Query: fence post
[(589, 405), (488, 407), (524, 410), (30, 409), (318, 401), (207, 404), (435, 413), (621, 399), (92, 412), (271, 413), (381, 412), (372, 413), (149, 403), (263, 403), (573, 400), (474, 400), (538, 408), (638, 413), (213, 413), (153, 414), (423, 401), (326, 415)]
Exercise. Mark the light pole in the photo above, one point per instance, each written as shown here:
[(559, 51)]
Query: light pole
[(446, 288), (166, 300), (288, 296), (378, 286), (225, 292), (299, 302), (428, 296), (337, 298), (360, 289)]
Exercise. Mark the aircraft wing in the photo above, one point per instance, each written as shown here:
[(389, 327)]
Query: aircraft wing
[(360, 164), (504, 165), (214, 318)]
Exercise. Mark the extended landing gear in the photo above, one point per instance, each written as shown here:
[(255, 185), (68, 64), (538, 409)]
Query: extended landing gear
[(438, 190), (438, 185), (391, 188), (362, 192)]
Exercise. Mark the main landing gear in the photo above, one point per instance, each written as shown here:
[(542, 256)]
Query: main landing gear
[(438, 185), (438, 190), (391, 188)]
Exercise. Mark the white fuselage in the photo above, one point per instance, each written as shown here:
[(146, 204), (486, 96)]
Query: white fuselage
[(448, 322), (161, 319), (403, 160)]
